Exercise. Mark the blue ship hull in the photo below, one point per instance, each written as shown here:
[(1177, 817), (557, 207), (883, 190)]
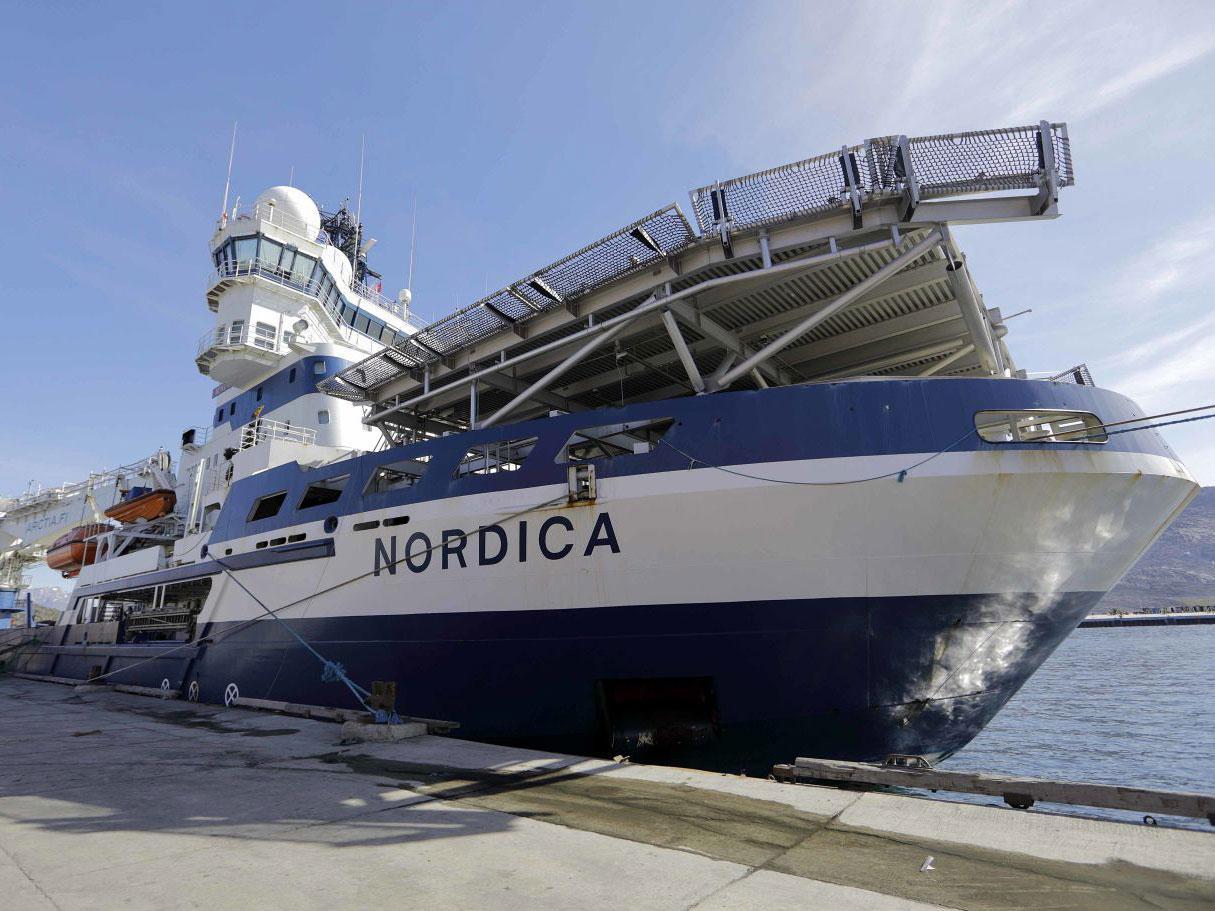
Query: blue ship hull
[(827, 678)]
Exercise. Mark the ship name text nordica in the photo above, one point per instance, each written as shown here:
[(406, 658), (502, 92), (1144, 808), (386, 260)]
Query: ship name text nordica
[(553, 539)]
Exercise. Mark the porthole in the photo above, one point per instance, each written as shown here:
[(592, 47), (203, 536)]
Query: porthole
[(331, 524)]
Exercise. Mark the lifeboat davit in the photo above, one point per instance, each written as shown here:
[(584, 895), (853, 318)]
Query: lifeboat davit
[(142, 504), (73, 551)]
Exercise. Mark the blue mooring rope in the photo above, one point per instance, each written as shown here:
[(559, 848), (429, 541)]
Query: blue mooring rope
[(331, 671), (1110, 433)]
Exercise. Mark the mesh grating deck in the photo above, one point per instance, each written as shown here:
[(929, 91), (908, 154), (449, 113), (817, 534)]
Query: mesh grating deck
[(643, 361)]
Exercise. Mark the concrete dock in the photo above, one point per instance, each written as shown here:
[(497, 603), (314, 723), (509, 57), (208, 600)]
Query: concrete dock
[(112, 800)]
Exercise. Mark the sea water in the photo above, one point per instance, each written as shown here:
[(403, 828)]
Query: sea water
[(1118, 706)]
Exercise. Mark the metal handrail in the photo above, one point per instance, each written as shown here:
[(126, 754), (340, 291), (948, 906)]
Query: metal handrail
[(247, 268), (222, 337), (275, 216), (372, 296), (260, 430), (257, 267)]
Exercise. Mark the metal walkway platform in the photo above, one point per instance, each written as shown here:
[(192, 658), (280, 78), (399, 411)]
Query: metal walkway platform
[(837, 266)]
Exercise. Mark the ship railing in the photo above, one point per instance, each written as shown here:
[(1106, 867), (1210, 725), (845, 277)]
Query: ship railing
[(239, 334), (264, 212), (1078, 375), (261, 430), (247, 268), (311, 285), (374, 296)]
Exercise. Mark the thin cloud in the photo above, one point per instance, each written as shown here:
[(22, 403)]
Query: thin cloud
[(1181, 261), (914, 69)]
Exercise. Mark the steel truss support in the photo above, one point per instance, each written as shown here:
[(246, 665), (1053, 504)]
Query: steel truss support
[(893, 360), (515, 387), (972, 311), (676, 302), (695, 318), (681, 348), (949, 361), (547, 380), (774, 347)]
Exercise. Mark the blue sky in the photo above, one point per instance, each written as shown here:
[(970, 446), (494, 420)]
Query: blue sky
[(528, 130)]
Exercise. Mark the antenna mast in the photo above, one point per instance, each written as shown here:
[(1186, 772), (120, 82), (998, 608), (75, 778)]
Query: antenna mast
[(358, 215), (413, 239), (223, 210)]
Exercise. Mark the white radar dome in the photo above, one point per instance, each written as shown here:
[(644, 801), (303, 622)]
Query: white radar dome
[(294, 210)]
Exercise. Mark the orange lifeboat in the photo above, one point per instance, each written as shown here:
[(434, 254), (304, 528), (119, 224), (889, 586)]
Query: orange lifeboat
[(72, 551), (151, 504)]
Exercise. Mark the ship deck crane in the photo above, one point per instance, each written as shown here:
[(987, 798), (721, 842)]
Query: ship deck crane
[(30, 523)]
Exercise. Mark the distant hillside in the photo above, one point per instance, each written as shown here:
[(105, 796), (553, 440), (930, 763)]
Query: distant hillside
[(52, 597), (41, 615), (1179, 565)]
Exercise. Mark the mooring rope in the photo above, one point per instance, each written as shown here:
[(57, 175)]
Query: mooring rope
[(900, 473)]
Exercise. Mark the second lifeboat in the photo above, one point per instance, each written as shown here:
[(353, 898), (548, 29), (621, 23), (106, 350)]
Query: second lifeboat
[(142, 504), (74, 550)]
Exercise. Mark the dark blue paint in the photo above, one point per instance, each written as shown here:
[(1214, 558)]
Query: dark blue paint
[(817, 421), (278, 390), (821, 677)]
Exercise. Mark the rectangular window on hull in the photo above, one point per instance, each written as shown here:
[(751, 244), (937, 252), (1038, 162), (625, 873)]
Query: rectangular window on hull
[(268, 506), (491, 458), (265, 335), (321, 493), (611, 440), (1040, 427), (397, 475)]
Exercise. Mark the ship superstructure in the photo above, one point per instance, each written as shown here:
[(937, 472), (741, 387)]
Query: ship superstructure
[(292, 308), (768, 483)]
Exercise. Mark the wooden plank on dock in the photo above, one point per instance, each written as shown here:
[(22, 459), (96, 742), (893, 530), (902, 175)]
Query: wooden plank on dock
[(327, 713), (1015, 791)]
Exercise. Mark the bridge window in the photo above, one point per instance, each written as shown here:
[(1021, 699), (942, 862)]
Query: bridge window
[(321, 493), (246, 250), (301, 270), (270, 253), (491, 458), (268, 506), (397, 475), (1040, 427), (611, 440)]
